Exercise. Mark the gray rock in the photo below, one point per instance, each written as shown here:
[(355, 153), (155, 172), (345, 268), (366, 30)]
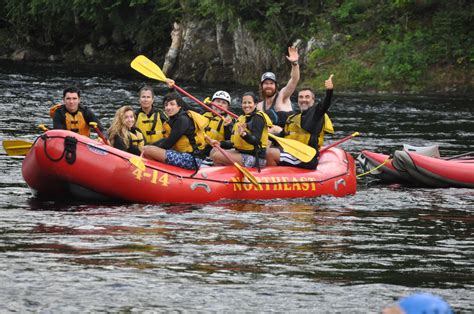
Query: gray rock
[(89, 50)]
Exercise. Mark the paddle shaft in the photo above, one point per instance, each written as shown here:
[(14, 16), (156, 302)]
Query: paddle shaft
[(198, 101), (339, 142), (101, 135), (224, 153), (298, 149), (245, 172)]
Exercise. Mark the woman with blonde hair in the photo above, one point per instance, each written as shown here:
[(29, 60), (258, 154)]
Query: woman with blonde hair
[(123, 134)]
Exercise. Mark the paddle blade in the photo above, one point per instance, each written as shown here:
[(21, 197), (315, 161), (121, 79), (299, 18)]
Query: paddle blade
[(148, 68), (137, 162), (244, 171), (295, 148), (16, 147), (247, 174)]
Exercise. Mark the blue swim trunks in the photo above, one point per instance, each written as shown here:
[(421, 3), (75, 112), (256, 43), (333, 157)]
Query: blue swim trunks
[(183, 160)]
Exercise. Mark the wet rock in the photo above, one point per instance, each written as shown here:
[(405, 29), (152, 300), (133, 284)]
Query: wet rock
[(19, 55), (103, 41), (28, 54), (89, 50)]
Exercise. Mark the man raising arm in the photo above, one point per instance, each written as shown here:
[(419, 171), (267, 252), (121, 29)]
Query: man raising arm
[(277, 104)]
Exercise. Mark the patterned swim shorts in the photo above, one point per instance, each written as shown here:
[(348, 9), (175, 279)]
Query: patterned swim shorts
[(249, 161), (183, 160)]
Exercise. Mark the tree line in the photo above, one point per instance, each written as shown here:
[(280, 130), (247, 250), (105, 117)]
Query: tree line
[(373, 44)]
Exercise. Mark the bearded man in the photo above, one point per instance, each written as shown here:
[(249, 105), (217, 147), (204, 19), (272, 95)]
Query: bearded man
[(277, 104)]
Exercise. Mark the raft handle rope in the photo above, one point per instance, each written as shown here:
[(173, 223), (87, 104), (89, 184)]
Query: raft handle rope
[(45, 137), (69, 152), (373, 169)]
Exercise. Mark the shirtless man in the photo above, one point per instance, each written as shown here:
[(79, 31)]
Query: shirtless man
[(277, 104)]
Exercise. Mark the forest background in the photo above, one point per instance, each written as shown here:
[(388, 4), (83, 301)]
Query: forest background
[(397, 46)]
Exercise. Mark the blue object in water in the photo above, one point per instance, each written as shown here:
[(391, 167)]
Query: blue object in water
[(424, 303)]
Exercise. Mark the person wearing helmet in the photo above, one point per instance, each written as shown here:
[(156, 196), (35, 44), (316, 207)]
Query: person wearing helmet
[(219, 129), (277, 104), (420, 303), (249, 140)]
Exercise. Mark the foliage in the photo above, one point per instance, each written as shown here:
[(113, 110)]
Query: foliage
[(373, 44), (277, 23), (395, 45), (57, 24)]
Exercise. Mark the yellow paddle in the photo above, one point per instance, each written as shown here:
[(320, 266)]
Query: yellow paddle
[(97, 130), (295, 148), (244, 171), (138, 162), (134, 160), (20, 147), (16, 147), (148, 68), (340, 141)]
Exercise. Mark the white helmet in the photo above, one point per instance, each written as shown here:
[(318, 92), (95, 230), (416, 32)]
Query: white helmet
[(220, 94)]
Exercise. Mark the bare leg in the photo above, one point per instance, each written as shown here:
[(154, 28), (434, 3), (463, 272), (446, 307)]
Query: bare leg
[(221, 160), (155, 153), (273, 156)]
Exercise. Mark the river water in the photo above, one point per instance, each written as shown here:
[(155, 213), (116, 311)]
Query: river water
[(356, 254)]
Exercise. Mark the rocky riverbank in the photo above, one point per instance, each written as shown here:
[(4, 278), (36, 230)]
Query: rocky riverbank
[(205, 52)]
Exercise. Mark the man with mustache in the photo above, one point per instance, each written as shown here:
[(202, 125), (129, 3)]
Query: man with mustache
[(277, 104), (308, 127)]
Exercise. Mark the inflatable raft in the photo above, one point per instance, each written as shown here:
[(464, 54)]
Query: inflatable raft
[(417, 169), (62, 163)]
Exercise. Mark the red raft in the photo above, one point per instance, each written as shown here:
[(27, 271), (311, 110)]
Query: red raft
[(63, 163), (415, 168)]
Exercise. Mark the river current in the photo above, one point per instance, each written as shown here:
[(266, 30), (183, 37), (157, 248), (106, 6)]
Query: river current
[(356, 254)]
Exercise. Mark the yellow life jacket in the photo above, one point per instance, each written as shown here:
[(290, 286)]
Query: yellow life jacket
[(327, 128), (215, 127), (183, 144), (77, 123), (240, 143), (136, 138), (53, 109), (294, 131), (151, 127)]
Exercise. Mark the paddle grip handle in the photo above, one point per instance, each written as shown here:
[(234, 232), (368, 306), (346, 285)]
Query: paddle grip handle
[(101, 135)]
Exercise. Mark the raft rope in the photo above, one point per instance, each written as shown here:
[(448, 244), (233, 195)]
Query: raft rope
[(69, 152), (70, 144), (373, 169), (44, 137)]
